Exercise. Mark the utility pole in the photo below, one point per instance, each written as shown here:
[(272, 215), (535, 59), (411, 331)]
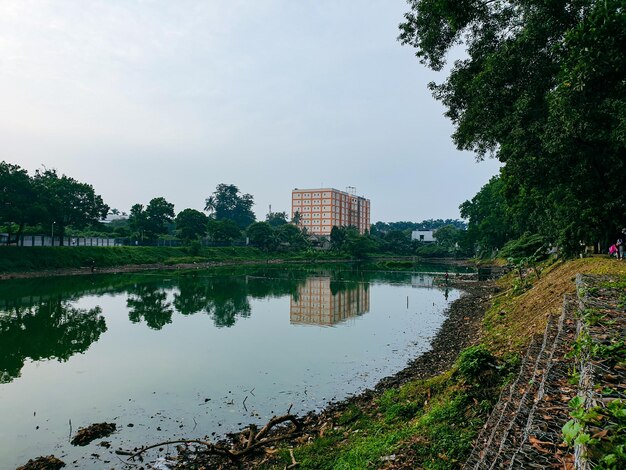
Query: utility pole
[(52, 241)]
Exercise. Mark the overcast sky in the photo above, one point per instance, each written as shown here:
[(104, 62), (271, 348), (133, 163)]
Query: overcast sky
[(170, 98)]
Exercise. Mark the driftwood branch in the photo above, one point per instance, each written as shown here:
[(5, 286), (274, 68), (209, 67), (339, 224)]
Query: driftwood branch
[(250, 440), (210, 448), (294, 464)]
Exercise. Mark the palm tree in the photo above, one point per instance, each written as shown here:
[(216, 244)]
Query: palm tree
[(209, 204)]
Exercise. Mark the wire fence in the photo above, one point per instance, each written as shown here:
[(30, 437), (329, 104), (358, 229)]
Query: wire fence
[(524, 429)]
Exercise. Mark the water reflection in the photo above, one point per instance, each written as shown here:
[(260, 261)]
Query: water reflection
[(51, 329), (40, 320), (324, 301), (149, 302), (422, 281)]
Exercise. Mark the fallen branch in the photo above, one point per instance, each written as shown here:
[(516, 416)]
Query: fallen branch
[(210, 448), (294, 464), (253, 440)]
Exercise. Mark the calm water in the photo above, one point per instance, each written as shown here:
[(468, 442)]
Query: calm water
[(172, 356)]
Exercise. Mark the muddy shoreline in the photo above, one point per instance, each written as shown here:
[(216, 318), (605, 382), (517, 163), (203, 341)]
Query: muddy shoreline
[(460, 329)]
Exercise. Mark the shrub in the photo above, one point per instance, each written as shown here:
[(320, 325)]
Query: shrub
[(474, 362), (525, 246)]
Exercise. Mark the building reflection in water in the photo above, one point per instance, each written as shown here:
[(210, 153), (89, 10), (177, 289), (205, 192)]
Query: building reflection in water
[(426, 281), (321, 301), (423, 281)]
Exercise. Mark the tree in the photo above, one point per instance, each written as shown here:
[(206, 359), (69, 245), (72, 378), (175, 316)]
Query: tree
[(275, 219), (191, 224), (297, 217), (159, 213), (396, 241), (357, 245), (291, 236), (20, 203), (68, 202), (543, 90), (337, 237), (349, 240), (138, 220), (489, 226), (227, 204), (153, 220), (448, 237), (261, 235), (223, 230)]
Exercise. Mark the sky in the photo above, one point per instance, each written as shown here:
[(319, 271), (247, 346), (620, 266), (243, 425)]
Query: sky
[(149, 98)]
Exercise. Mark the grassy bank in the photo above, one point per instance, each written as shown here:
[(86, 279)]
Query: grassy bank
[(16, 259), (431, 423), (32, 259)]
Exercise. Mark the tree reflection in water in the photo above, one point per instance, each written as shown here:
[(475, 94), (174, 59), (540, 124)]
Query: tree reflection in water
[(50, 329), (37, 320), (224, 299), (149, 301)]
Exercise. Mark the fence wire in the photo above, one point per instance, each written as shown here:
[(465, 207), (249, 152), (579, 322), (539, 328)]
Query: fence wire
[(524, 429)]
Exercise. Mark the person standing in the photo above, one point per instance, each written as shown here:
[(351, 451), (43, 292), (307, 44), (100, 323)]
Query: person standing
[(621, 241)]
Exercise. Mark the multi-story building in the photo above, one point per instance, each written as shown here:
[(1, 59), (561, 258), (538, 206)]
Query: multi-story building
[(321, 209), (316, 303)]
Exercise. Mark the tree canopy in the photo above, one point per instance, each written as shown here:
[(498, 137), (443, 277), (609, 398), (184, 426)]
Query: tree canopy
[(543, 89), (191, 224), (67, 201), (20, 204), (262, 235), (227, 204), (153, 220), (276, 219), (223, 230)]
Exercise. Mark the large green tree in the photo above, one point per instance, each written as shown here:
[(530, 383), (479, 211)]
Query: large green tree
[(226, 203), (191, 224), (153, 220), (20, 203), (291, 237), (67, 201), (276, 219), (489, 224), (261, 234), (542, 89), (223, 230)]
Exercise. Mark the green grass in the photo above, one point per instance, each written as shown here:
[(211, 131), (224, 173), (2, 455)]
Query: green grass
[(20, 259), (428, 423), (24, 259)]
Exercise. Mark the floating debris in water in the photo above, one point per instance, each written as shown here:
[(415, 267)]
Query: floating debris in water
[(43, 463), (85, 435)]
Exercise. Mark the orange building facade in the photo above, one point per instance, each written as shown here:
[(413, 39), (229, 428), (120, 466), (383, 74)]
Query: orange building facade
[(321, 209)]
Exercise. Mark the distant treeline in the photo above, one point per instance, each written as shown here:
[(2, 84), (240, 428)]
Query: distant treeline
[(46, 203)]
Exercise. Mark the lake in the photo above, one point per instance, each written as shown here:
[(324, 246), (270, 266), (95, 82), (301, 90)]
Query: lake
[(200, 353)]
